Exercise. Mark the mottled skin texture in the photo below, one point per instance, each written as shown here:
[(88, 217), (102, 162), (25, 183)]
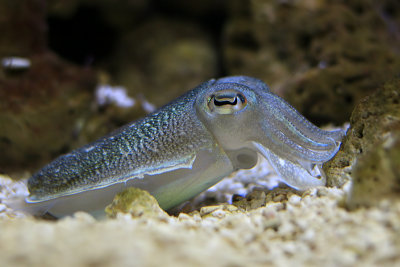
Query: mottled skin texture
[(161, 139), (189, 145)]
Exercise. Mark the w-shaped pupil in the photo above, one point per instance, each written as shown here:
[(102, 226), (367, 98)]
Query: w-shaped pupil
[(225, 101)]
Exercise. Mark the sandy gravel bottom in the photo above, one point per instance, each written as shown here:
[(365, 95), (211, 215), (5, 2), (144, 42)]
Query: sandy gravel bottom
[(311, 229)]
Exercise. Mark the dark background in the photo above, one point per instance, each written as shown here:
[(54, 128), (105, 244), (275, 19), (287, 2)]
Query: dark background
[(323, 58)]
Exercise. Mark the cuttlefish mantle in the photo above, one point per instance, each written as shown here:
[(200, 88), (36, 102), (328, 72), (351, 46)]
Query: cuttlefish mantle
[(186, 147)]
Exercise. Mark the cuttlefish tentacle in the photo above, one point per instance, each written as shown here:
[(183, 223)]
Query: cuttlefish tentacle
[(294, 175), (185, 147)]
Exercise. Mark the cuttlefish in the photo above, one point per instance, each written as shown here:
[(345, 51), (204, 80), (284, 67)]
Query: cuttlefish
[(186, 147)]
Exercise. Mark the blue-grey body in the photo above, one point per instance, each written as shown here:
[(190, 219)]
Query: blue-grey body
[(187, 146)]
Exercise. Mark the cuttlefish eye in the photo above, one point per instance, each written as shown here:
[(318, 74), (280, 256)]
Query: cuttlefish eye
[(226, 102)]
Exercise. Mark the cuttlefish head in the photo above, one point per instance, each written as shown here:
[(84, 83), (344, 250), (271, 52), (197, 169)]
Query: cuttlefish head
[(247, 119)]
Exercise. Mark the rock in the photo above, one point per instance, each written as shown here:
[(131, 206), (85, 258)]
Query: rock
[(47, 101), (260, 197), (254, 200), (376, 176), (322, 57), (48, 104), (136, 202), (218, 211), (370, 153)]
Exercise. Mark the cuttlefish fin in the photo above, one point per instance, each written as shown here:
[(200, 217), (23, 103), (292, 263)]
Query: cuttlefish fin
[(18, 202), (300, 176)]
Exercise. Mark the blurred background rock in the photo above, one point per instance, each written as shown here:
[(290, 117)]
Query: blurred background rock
[(322, 56)]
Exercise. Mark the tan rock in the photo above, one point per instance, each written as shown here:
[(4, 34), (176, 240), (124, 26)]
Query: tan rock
[(136, 202)]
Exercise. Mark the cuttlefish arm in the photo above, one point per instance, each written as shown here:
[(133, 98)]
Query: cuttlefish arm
[(295, 147)]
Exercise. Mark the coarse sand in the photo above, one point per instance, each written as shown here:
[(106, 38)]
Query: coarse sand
[(268, 228)]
